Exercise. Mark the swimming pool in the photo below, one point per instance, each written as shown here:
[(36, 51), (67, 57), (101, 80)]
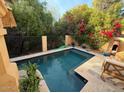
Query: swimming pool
[(58, 69)]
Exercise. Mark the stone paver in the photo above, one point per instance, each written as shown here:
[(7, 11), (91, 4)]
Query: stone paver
[(91, 71)]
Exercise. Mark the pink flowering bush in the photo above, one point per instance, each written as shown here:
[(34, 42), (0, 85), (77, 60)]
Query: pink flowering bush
[(116, 31)]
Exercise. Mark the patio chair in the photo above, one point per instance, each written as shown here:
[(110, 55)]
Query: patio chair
[(113, 68)]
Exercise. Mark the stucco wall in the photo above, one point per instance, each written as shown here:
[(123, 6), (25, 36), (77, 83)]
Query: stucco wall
[(106, 47), (121, 48)]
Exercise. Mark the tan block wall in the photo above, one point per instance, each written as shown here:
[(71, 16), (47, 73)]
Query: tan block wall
[(44, 43), (120, 56), (68, 40), (104, 48), (121, 48), (107, 46)]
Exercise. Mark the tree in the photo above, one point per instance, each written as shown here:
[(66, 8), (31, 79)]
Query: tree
[(33, 20), (100, 17), (31, 17), (104, 5), (74, 18)]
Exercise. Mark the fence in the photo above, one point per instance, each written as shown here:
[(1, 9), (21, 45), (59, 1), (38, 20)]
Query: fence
[(54, 41), (19, 45), (22, 45)]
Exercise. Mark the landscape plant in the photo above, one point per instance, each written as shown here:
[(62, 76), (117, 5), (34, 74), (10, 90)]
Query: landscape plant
[(34, 20), (31, 82), (98, 24)]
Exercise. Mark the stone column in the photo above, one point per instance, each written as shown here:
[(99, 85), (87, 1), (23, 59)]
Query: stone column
[(68, 40), (44, 43), (8, 71)]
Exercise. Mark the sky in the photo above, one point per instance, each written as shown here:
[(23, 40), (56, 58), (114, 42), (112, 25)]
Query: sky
[(59, 7)]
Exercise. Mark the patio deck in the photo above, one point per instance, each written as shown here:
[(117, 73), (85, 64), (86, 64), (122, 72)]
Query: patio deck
[(91, 70)]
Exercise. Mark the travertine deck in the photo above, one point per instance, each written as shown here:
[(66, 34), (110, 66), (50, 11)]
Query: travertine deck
[(91, 71), (37, 54)]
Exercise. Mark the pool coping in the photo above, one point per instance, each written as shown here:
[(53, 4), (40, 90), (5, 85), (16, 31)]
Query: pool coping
[(20, 58), (78, 70), (54, 51)]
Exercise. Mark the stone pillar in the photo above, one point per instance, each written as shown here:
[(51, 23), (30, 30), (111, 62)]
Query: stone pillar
[(68, 40), (44, 43), (8, 71)]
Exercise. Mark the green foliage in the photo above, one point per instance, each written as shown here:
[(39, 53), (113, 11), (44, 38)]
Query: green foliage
[(32, 18), (122, 22), (102, 18), (30, 83), (99, 17), (33, 21), (55, 40), (107, 5), (68, 23)]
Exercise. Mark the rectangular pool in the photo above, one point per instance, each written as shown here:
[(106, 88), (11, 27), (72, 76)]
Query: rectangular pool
[(58, 69)]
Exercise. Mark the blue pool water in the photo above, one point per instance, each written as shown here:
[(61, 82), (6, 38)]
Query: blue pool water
[(58, 69)]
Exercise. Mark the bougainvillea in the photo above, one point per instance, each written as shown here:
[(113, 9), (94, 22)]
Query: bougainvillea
[(88, 31), (90, 34), (117, 25), (81, 27), (108, 33), (116, 31)]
